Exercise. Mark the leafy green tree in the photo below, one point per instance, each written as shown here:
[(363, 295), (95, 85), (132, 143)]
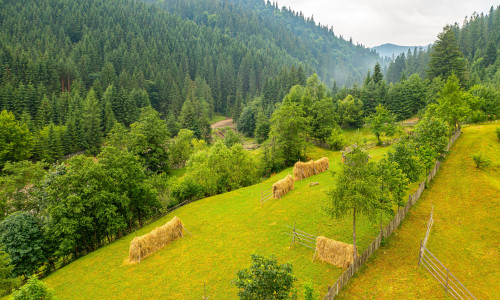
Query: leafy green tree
[(127, 179), (149, 138), (265, 279), (7, 280), (231, 138), (350, 112), (404, 153), (382, 121), (357, 191), (392, 181), (323, 119), (288, 127), (446, 57), (23, 239), (180, 148), (453, 105), (34, 289), (15, 139), (82, 207)]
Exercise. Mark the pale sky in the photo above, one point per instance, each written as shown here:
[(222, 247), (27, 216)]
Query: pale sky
[(401, 22)]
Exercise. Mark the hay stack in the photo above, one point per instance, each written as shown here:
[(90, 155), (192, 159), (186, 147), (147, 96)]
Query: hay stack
[(334, 252), (322, 164), (283, 187), (143, 246), (303, 170)]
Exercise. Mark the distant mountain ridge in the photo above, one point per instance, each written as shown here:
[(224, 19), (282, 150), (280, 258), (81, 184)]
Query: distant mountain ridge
[(390, 49)]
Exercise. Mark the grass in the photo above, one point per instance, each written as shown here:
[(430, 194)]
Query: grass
[(364, 135), (465, 236), (227, 228)]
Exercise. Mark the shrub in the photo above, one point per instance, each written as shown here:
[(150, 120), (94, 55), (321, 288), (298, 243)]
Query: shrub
[(265, 279), (481, 160), (34, 289), (337, 140), (498, 133), (309, 293)]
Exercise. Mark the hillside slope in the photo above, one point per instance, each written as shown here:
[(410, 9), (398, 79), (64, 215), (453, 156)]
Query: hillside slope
[(465, 236), (226, 229)]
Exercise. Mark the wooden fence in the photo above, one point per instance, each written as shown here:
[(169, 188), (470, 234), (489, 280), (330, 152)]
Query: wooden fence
[(266, 196), (443, 275), (387, 231)]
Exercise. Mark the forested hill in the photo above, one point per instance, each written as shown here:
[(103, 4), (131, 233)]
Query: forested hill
[(478, 38), (263, 25)]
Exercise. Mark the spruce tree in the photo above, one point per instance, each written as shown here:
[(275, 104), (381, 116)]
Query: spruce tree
[(92, 123)]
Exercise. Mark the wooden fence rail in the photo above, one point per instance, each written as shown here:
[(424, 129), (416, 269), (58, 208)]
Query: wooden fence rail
[(387, 231), (266, 196), (443, 275)]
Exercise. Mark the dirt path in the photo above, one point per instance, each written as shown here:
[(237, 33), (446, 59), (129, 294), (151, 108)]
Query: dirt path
[(223, 123)]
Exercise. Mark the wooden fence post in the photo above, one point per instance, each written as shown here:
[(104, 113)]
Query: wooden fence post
[(420, 252)]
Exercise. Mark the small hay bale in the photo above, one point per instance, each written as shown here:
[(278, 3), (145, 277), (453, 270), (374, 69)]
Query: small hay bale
[(313, 183), (145, 245), (283, 187), (334, 252)]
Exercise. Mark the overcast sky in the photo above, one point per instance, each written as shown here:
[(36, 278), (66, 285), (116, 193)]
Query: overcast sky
[(401, 22)]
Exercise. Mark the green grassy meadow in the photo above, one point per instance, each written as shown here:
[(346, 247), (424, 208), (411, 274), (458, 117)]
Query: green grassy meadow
[(465, 236), (227, 228)]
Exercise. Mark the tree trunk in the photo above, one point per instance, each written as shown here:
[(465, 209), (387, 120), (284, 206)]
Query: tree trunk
[(354, 233)]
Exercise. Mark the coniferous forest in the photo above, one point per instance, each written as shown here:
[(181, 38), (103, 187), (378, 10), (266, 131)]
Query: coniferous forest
[(106, 108)]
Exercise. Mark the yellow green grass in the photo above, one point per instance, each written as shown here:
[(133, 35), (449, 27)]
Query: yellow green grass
[(465, 236), (227, 228)]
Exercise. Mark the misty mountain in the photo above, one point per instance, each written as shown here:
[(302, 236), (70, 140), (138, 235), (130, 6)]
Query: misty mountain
[(389, 50)]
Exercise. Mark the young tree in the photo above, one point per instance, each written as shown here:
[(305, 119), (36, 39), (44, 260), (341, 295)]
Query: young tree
[(382, 121), (453, 105), (262, 128), (15, 139), (357, 191), (404, 153), (265, 279)]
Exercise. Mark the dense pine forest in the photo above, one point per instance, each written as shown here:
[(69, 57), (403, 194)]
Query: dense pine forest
[(106, 109)]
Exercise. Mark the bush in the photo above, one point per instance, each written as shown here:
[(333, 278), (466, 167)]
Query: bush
[(34, 289), (265, 279), (186, 189), (481, 160), (337, 140), (309, 293), (498, 133)]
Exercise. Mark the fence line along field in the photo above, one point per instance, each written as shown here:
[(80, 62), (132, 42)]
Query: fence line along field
[(226, 230), (465, 234)]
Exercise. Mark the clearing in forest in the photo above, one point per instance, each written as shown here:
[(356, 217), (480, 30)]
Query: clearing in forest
[(465, 236), (226, 230)]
